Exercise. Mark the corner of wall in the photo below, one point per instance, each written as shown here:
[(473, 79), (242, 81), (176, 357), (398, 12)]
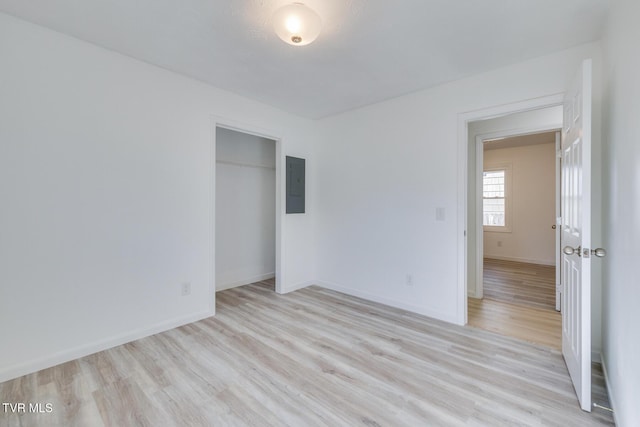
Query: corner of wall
[(612, 398)]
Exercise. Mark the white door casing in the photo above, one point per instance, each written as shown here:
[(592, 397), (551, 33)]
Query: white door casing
[(464, 119), (576, 233)]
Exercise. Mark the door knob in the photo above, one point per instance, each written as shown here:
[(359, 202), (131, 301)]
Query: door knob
[(553, 226), (599, 252), (568, 250)]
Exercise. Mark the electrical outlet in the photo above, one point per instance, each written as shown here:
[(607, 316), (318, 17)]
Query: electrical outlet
[(499, 243), (186, 289), (409, 280)]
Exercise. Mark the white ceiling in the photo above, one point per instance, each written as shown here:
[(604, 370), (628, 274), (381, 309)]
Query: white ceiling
[(368, 51)]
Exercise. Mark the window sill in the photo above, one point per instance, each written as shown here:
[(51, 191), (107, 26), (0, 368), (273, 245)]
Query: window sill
[(489, 229)]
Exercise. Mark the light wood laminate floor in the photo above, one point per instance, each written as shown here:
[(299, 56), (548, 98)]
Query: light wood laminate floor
[(519, 302), (530, 324), (313, 357), (520, 283)]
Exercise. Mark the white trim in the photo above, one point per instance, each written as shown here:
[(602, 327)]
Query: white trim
[(281, 180), (212, 220), (429, 312), (35, 365), (254, 279), (480, 228), (220, 122), (478, 286), (463, 153), (463, 150)]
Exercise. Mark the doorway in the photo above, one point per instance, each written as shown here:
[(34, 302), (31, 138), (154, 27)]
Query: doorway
[(516, 188), (577, 224), (247, 220), (520, 119)]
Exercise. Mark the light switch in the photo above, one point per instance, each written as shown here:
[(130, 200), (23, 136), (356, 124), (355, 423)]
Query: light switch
[(440, 214)]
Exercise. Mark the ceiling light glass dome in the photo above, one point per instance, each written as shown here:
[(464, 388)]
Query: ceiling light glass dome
[(296, 24)]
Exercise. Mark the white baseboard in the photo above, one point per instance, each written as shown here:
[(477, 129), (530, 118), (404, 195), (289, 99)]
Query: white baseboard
[(425, 311), (519, 259), (35, 365), (297, 286), (612, 399), (254, 279)]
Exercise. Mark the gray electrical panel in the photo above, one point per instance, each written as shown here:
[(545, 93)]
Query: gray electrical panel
[(295, 185)]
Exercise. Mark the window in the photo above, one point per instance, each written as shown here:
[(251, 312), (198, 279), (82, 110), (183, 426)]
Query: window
[(495, 203)]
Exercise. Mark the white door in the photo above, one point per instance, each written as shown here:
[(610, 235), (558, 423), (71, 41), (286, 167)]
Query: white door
[(576, 234), (557, 226)]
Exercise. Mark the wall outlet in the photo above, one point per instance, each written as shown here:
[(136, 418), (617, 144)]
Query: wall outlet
[(499, 243), (409, 280), (185, 289)]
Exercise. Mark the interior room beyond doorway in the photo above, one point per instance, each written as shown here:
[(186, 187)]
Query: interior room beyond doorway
[(517, 201)]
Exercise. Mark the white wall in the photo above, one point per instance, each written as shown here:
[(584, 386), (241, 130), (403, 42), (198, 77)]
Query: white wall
[(517, 123), (533, 204), (621, 287), (106, 179), (245, 208), (384, 169)]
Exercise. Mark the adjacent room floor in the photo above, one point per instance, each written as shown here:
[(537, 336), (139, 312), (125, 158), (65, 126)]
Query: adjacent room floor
[(519, 301), (312, 357), (531, 285)]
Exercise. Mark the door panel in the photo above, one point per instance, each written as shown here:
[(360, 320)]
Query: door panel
[(576, 234)]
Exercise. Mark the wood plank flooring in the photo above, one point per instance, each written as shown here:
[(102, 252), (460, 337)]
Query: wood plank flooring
[(520, 283), (535, 325), (313, 357), (519, 301)]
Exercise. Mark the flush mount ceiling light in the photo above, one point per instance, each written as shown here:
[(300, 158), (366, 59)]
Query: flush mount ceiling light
[(296, 24)]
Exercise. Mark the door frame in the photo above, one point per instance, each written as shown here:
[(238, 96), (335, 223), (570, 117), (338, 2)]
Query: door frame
[(480, 140), (463, 161), (219, 122), (558, 219)]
